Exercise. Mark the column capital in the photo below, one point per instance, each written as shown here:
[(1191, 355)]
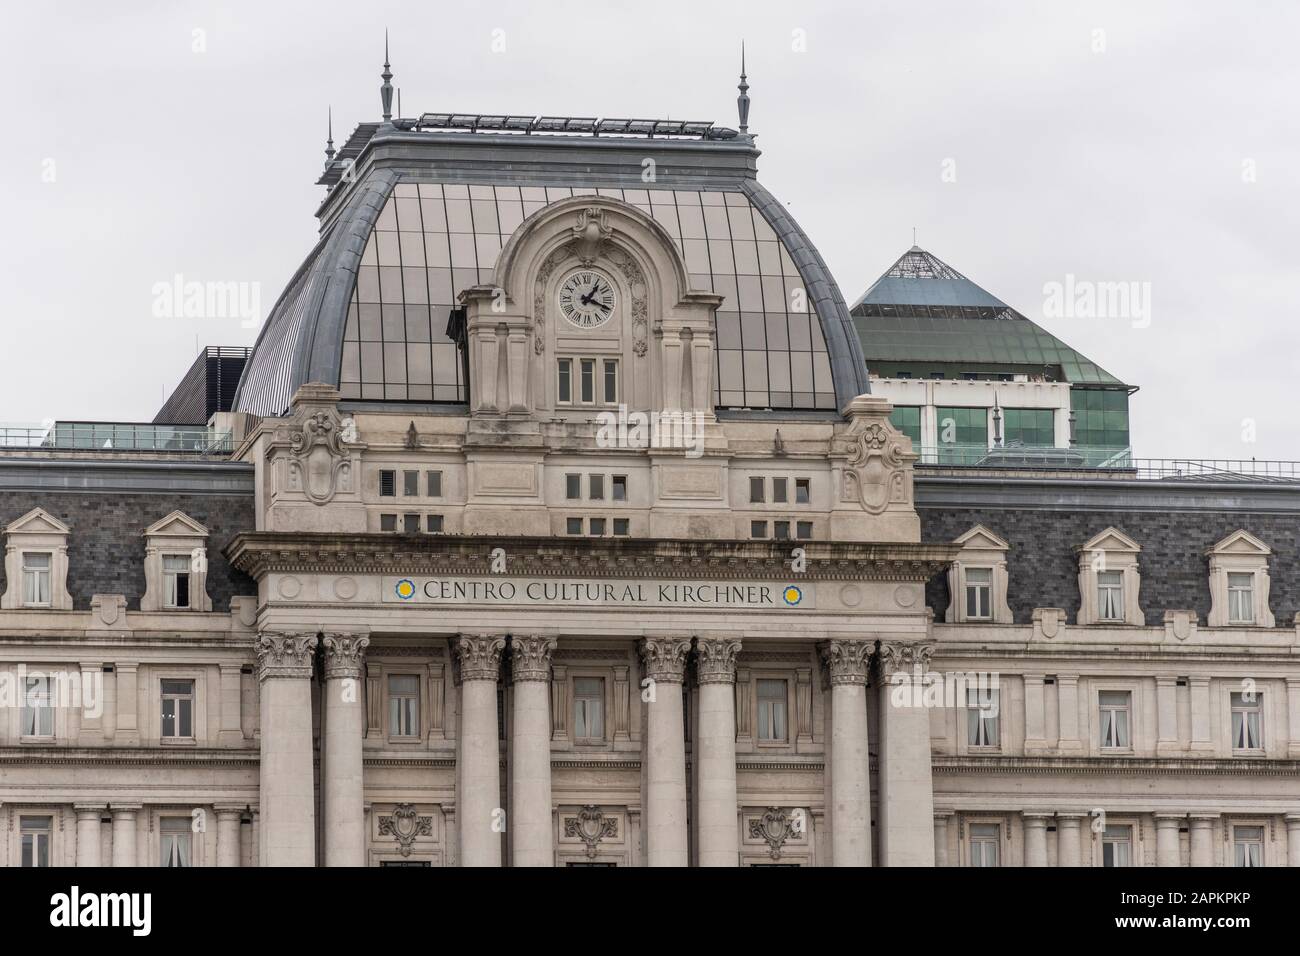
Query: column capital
[(284, 655), (343, 655), (530, 657), (847, 661), (1292, 820), (229, 809), (1168, 818), (665, 658), (1037, 817), (1070, 819), (715, 660), (1202, 818), (479, 656), (895, 656), (125, 808), (87, 809), (943, 816)]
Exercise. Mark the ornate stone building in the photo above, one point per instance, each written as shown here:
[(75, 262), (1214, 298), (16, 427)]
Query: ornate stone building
[(556, 522)]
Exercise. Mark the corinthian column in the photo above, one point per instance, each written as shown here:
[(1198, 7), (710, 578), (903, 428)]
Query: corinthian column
[(288, 806), (665, 825), (846, 663), (345, 828), (716, 751), (906, 789), (478, 803), (530, 743)]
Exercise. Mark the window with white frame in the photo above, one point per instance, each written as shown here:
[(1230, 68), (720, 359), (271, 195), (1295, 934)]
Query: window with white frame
[(36, 578), (1110, 595), (36, 833), (979, 594), (178, 709), (38, 707), (403, 705), (587, 381), (588, 709), (1241, 597), (174, 841), (982, 728), (1247, 721), (1115, 707), (176, 580), (1117, 846), (984, 842), (1247, 846), (773, 700)]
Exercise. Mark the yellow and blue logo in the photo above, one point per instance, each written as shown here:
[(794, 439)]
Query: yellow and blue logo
[(792, 595), (405, 589)]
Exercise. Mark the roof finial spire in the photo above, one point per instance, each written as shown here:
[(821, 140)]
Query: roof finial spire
[(914, 246), (742, 101), (386, 91), (329, 141)]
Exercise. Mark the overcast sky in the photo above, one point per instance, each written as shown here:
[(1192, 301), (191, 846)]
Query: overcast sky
[(1156, 144)]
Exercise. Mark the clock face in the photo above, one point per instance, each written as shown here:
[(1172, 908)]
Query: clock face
[(587, 299)]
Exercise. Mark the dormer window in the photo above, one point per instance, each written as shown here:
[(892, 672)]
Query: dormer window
[(1239, 582), (175, 565), (36, 578), (1109, 580), (1241, 598), (977, 579), (176, 581), (1110, 596), (979, 594)]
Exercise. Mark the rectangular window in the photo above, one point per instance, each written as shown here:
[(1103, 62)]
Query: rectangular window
[(596, 526), (174, 841), (1110, 595), (1247, 721), (907, 419), (573, 526), (772, 702), (781, 530), (758, 529), (36, 578), (779, 490), (176, 580), (1100, 417), (410, 484), (610, 382), (403, 705), (984, 841), (756, 491), (564, 382), (588, 709), (621, 527), (802, 491), (1247, 846), (588, 380), (573, 487), (433, 480), (387, 484), (1032, 427), (963, 435), (36, 833), (982, 717), (411, 524), (979, 594), (1114, 706), (38, 707), (388, 522), (178, 709), (619, 487), (804, 530), (596, 487), (434, 524), (1241, 597), (1117, 846)]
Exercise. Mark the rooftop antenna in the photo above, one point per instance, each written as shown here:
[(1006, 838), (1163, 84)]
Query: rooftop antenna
[(742, 101), (329, 142), (914, 237), (399, 102), (386, 91)]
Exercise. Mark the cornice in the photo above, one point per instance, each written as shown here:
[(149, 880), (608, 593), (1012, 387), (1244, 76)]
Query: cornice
[(260, 553), (125, 757), (1159, 766)]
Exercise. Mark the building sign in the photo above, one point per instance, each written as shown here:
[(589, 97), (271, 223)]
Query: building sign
[(587, 592)]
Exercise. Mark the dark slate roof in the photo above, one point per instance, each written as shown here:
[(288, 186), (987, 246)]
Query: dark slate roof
[(923, 310)]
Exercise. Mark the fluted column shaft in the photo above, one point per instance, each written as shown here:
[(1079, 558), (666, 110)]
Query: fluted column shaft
[(846, 663), (124, 837), (531, 841), (88, 835), (345, 832), (717, 827), (1167, 838), (479, 801), (288, 805), (665, 824)]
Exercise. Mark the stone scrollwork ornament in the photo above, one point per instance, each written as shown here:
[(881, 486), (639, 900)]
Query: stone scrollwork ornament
[(404, 824), (875, 469), (318, 462), (548, 267), (590, 234), (774, 827), (591, 826)]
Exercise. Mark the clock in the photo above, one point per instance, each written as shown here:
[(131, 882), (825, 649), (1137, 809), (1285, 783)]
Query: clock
[(587, 299)]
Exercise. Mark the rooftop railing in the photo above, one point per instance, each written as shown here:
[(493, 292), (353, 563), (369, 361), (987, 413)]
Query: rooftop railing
[(116, 436), (1104, 462)]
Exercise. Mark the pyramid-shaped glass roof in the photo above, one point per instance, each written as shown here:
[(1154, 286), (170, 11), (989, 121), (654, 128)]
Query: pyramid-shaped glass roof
[(922, 310)]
